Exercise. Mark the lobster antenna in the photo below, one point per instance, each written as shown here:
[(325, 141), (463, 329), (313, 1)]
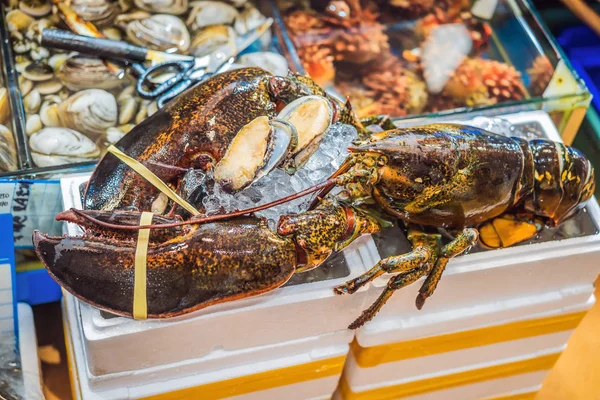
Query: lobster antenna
[(212, 218)]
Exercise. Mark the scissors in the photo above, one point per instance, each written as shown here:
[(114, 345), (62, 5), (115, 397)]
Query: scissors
[(186, 71)]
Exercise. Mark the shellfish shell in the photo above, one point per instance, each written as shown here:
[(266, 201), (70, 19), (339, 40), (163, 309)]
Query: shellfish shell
[(160, 32), (32, 102), (18, 21), (311, 116), (206, 13), (90, 111), (58, 146), (4, 105), (251, 18), (49, 113), (33, 124), (101, 13), (8, 150), (210, 39), (175, 7), (35, 8), (79, 72), (38, 71)]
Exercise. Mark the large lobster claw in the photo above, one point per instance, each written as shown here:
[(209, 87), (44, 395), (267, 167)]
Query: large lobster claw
[(187, 268)]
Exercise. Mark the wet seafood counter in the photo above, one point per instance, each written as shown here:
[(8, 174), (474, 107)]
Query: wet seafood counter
[(496, 338)]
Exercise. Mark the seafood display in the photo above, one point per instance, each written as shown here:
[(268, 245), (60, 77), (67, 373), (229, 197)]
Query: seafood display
[(8, 149), (405, 58), (72, 98), (230, 133)]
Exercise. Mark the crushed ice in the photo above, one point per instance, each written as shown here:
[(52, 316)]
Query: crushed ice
[(278, 184)]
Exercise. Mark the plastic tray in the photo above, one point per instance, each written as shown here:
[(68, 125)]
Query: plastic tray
[(519, 36)]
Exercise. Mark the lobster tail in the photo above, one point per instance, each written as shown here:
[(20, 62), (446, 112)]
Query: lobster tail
[(563, 178)]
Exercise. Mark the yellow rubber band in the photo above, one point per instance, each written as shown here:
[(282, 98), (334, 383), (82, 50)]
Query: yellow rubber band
[(153, 179), (140, 300)]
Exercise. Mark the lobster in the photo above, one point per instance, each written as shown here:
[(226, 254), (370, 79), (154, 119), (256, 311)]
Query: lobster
[(456, 177)]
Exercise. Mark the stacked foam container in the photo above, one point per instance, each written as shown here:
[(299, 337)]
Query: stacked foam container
[(495, 325)]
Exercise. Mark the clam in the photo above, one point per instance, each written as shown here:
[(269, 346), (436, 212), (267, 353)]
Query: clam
[(49, 87), (311, 116), (113, 135), (259, 147), (113, 33), (49, 112), (58, 146), (142, 113), (250, 18), (99, 12), (35, 8), (18, 21), (57, 60), (210, 39), (175, 7), (160, 32), (80, 72), (122, 20), (90, 111), (206, 13), (38, 71), (273, 62), (127, 108), (4, 105), (33, 124), (25, 85), (8, 150), (32, 102)]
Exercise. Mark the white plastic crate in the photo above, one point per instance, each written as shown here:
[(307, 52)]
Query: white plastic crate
[(301, 369), (490, 339)]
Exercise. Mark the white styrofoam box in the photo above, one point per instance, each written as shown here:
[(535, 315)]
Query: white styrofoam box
[(475, 282), (28, 351), (327, 352), (492, 379), (491, 389), (245, 323), (412, 369), (516, 384)]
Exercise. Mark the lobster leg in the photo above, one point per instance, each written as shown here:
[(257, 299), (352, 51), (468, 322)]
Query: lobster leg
[(464, 241), (395, 283), (411, 266), (404, 263)]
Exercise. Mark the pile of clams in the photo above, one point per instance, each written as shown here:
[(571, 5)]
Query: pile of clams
[(8, 150), (75, 105)]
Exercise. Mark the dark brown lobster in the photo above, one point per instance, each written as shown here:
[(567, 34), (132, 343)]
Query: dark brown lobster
[(452, 176)]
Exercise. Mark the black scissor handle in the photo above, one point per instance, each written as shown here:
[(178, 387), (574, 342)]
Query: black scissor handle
[(144, 81)]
